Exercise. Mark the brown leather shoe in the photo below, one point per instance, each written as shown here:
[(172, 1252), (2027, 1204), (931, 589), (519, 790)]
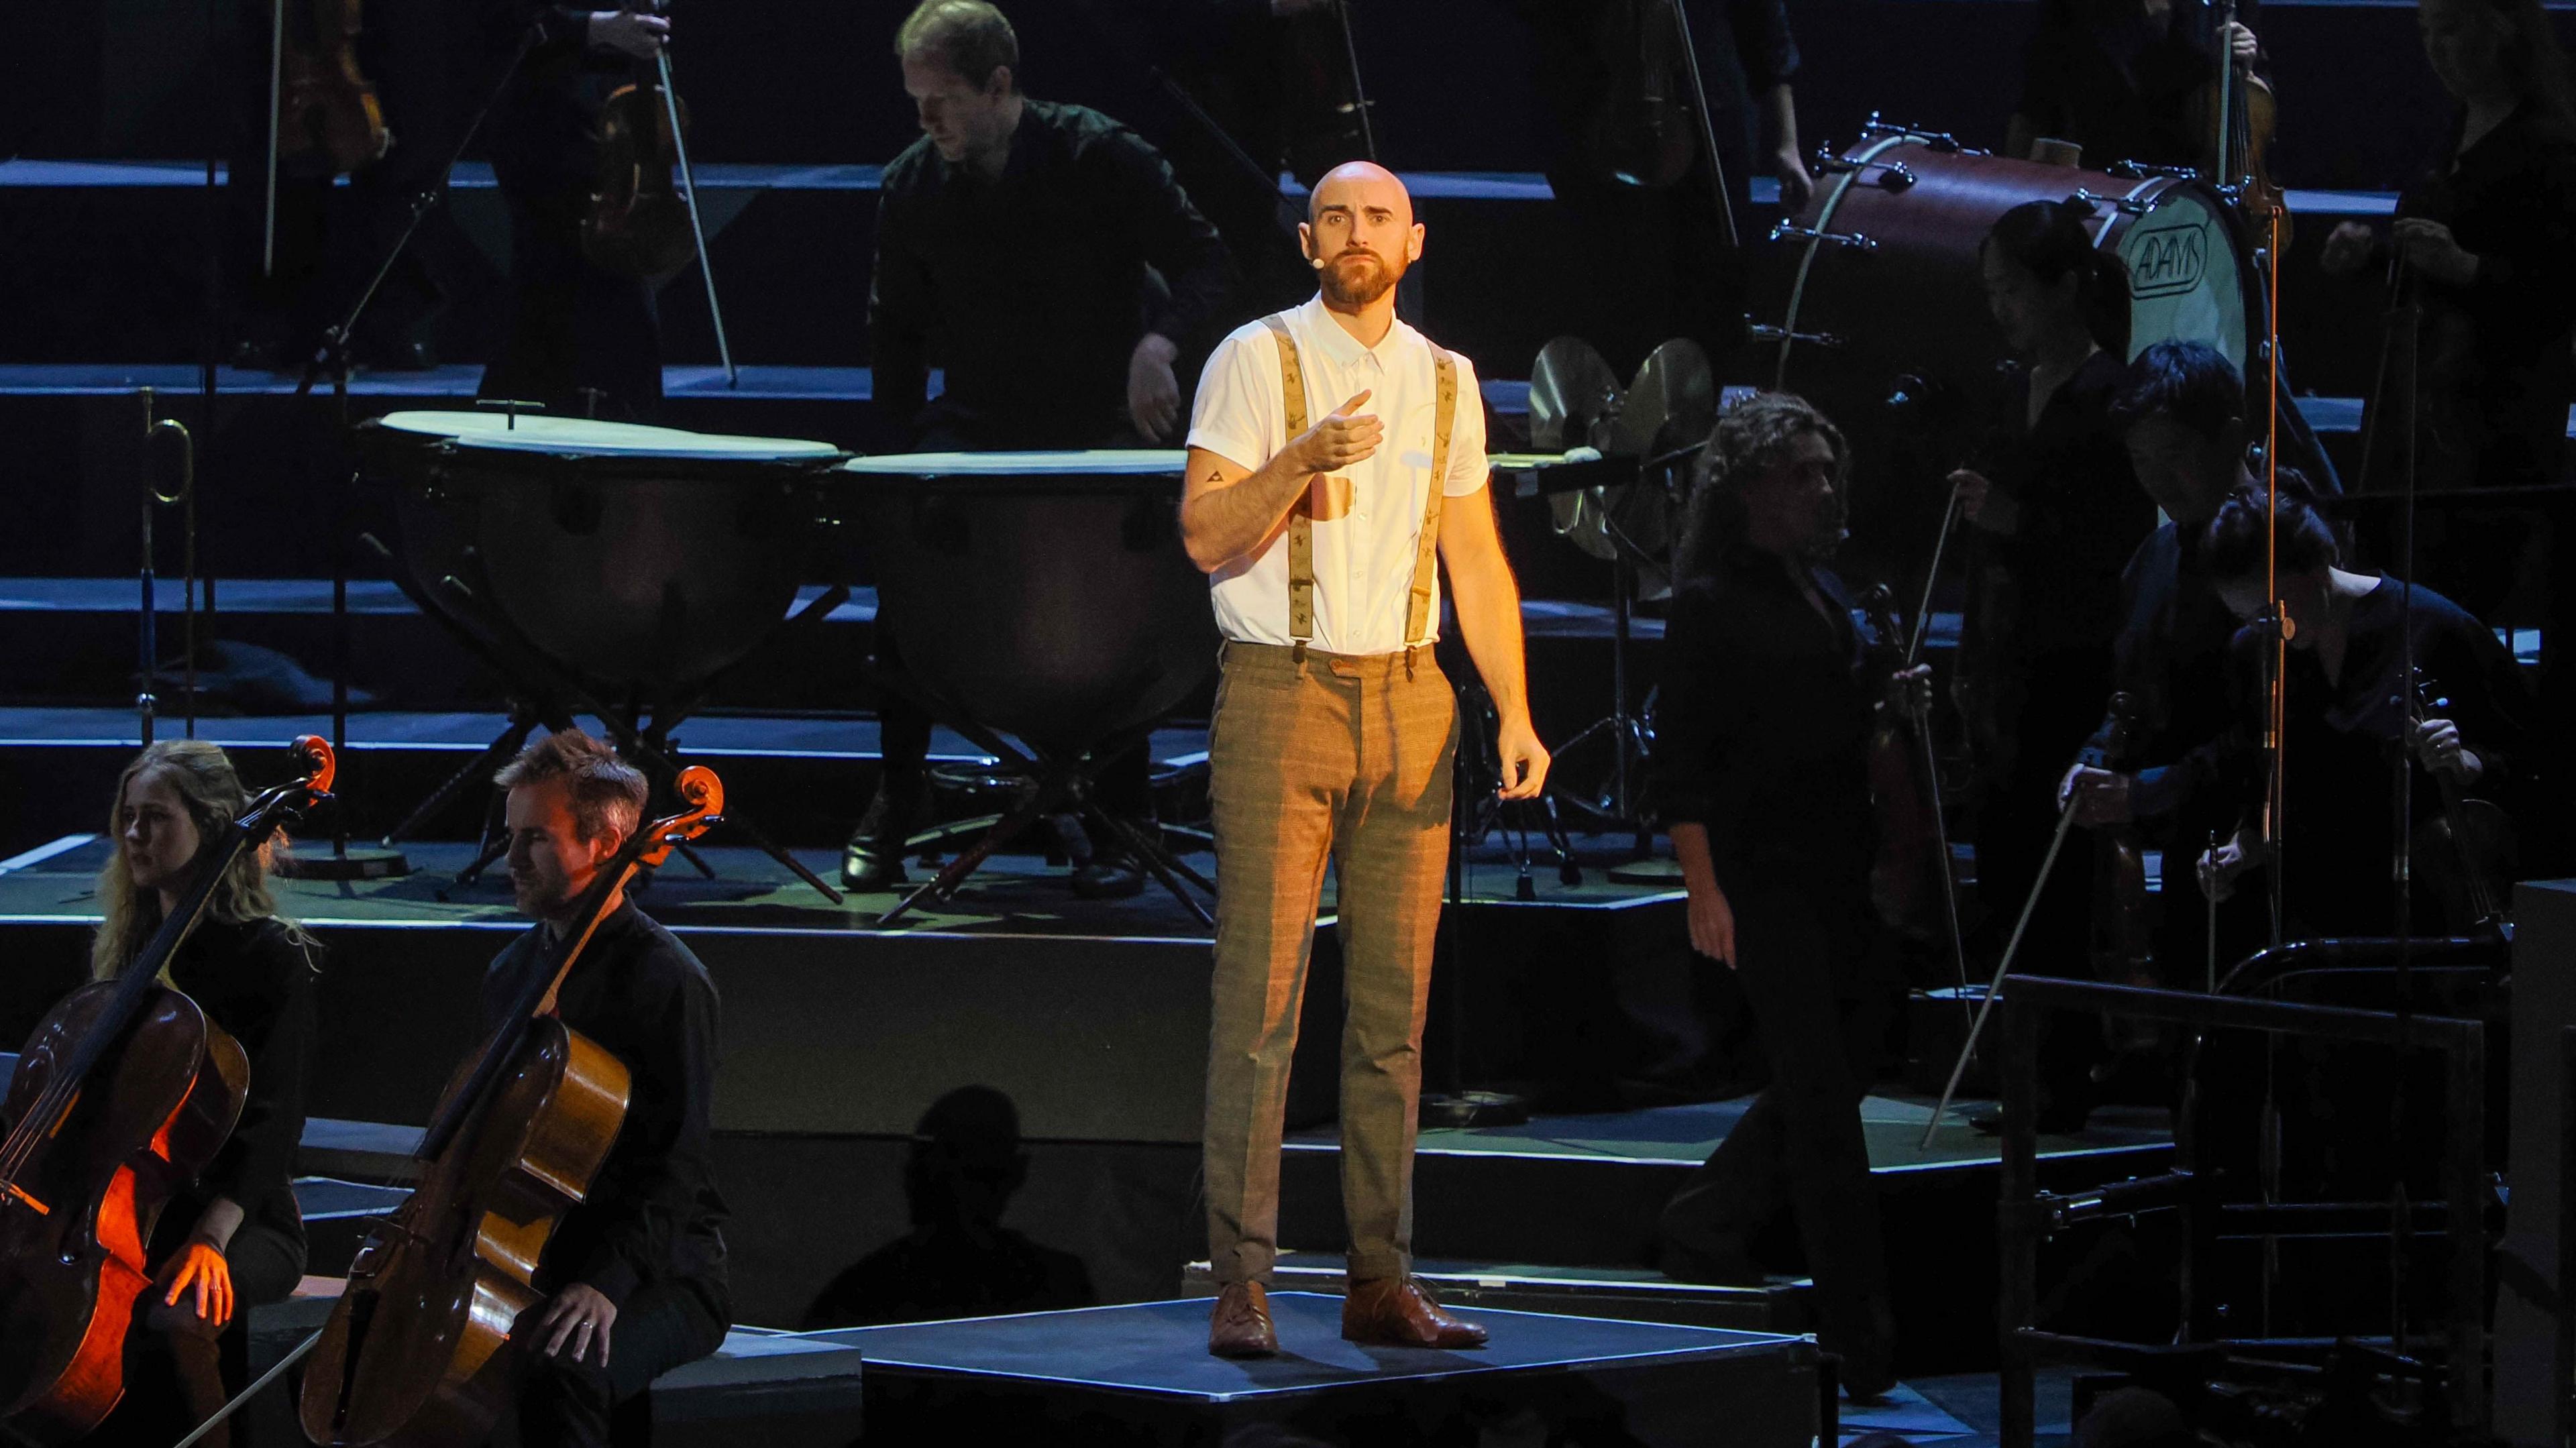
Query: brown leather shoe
[(1400, 1312), (1240, 1325)]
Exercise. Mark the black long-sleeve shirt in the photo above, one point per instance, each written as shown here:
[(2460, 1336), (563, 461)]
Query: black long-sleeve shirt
[(2342, 740), (2081, 514), (2171, 659), (1032, 288), (2496, 372), (1763, 721), (652, 1213), (256, 982)]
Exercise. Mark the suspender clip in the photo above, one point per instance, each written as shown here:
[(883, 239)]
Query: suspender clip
[(1408, 661), (1298, 654)]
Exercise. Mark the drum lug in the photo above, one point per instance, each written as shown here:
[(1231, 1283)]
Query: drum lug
[(1765, 332), (1783, 231), (2127, 204), (2140, 171)]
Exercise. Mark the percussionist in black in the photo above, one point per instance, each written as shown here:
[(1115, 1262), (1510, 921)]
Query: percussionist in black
[(2181, 410), (1044, 256), (233, 1239), (1761, 772), (636, 1272)]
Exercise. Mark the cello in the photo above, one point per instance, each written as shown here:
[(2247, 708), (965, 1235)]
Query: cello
[(418, 1349), (123, 1094)]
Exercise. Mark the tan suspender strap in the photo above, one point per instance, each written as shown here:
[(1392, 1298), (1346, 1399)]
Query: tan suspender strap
[(1417, 614), (1301, 528)]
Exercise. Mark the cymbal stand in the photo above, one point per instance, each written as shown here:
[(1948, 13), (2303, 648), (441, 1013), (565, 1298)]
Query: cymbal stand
[(145, 702), (1631, 742), (332, 356)]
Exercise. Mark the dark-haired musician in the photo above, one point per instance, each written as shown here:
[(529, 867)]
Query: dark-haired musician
[(2351, 710), (2053, 523), (1762, 773), (1044, 256), (636, 1271), (2181, 410), (233, 1239)]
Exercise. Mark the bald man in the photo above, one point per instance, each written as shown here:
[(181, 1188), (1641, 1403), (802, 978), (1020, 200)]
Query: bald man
[(1333, 451)]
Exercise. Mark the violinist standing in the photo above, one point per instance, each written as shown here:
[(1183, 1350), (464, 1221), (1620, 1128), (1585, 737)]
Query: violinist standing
[(2123, 78), (1763, 778), (1044, 256), (1654, 257), (635, 1273), (2055, 522), (574, 326), (329, 238), (234, 1239)]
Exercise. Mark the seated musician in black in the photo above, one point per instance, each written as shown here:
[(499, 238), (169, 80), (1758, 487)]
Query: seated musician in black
[(2181, 409), (1762, 772), (1044, 256), (636, 1272), (233, 1239), (2124, 79), (2351, 710)]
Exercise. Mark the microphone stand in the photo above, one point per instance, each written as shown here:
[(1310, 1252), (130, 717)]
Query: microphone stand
[(368, 862)]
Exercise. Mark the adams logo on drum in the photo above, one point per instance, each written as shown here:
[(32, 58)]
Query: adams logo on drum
[(2167, 258)]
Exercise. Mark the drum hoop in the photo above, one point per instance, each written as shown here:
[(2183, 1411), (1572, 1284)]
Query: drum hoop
[(1842, 186)]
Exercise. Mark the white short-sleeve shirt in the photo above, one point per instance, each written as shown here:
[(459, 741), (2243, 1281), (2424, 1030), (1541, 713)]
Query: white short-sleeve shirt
[(1363, 559)]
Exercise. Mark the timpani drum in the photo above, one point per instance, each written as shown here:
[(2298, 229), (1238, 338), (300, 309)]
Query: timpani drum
[(644, 558), (1043, 594)]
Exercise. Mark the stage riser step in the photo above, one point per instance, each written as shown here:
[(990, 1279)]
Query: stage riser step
[(816, 83)]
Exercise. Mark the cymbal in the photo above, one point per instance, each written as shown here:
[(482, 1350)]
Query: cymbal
[(1572, 392), (1673, 404)]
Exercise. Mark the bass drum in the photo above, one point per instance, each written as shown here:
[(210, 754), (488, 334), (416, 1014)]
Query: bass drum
[(1871, 303)]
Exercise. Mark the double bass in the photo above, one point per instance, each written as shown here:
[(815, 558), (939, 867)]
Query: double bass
[(419, 1349), (124, 1093)]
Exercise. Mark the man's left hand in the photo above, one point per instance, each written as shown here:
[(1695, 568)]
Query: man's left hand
[(1153, 393), (2438, 746), (2429, 247), (1524, 759), (580, 1315), (2241, 44)]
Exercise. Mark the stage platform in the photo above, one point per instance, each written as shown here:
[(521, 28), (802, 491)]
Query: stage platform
[(1140, 1374)]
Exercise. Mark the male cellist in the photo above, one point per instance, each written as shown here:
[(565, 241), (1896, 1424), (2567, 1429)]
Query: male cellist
[(636, 1272)]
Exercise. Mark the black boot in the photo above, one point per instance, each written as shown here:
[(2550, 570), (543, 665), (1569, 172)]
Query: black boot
[(873, 860)]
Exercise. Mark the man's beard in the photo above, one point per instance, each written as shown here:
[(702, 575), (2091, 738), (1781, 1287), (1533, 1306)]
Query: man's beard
[(1367, 281), (540, 898)]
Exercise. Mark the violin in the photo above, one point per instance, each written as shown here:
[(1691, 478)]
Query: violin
[(1319, 64), (1910, 882), (2463, 853), (124, 1093), (420, 1345), (2122, 937), (2238, 114), (640, 224), (1645, 129), (329, 121)]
